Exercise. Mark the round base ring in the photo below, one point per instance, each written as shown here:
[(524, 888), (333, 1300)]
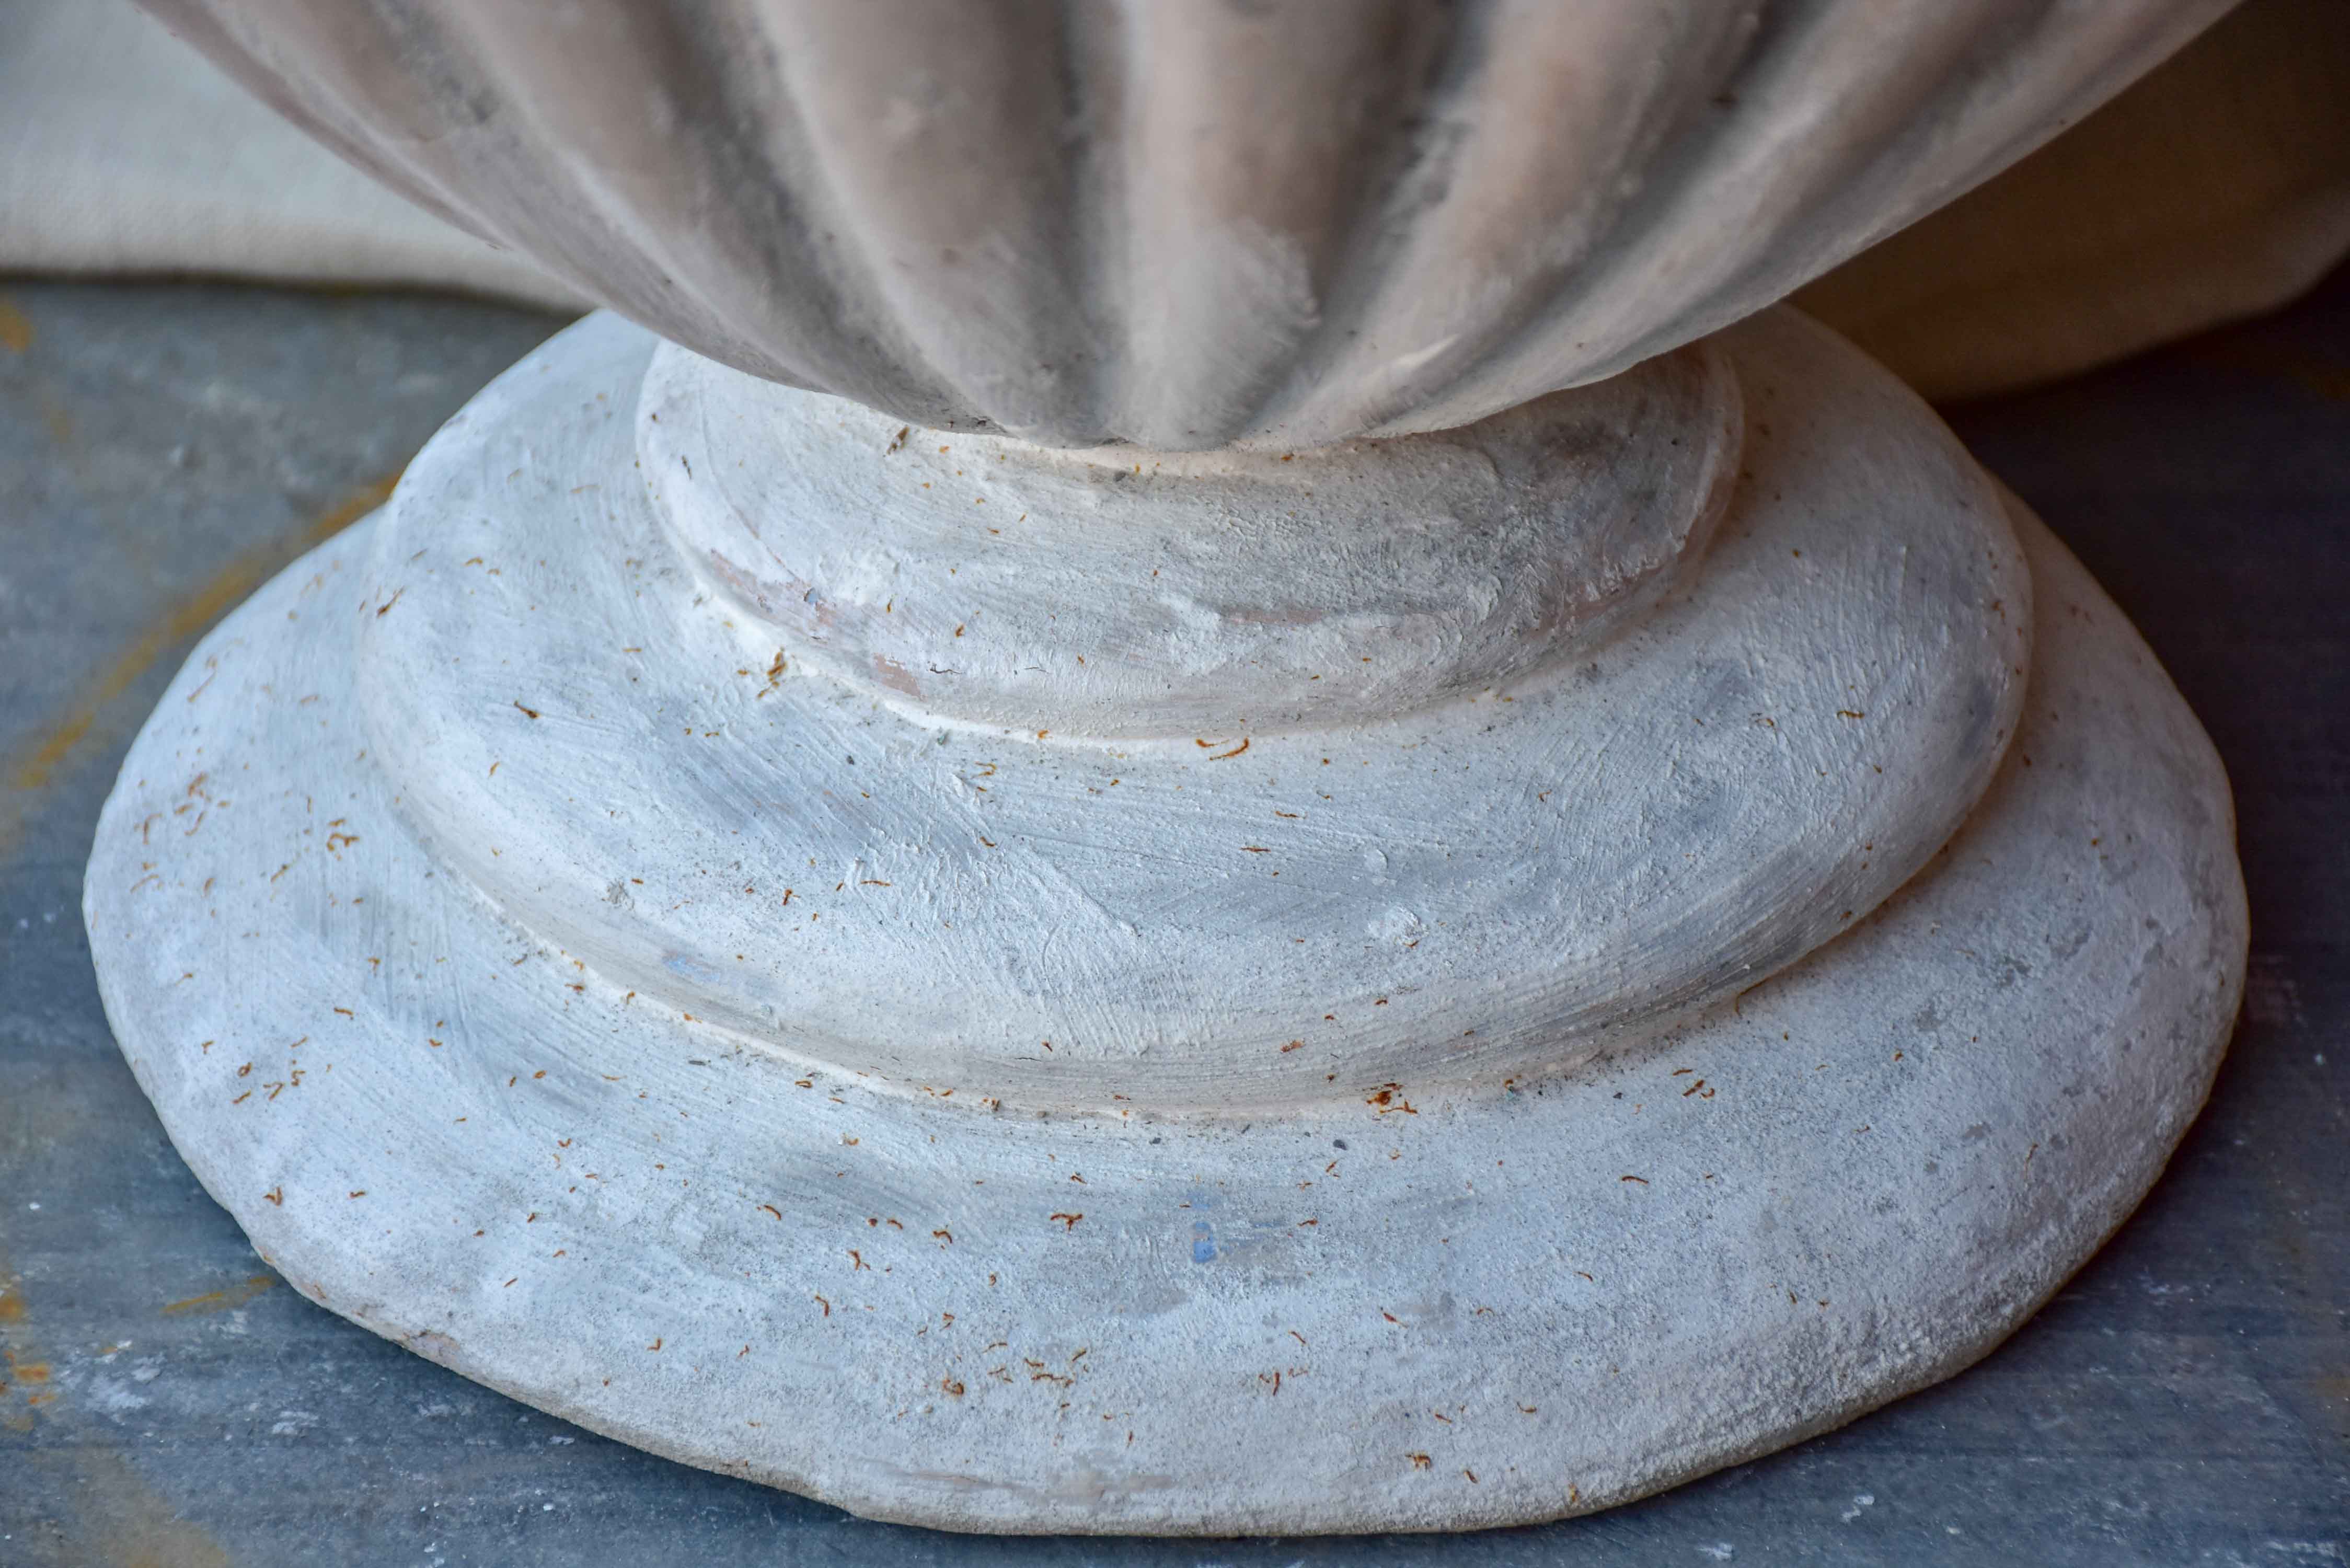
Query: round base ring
[(1476, 1311)]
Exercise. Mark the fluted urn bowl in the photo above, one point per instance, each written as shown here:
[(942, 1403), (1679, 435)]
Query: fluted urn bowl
[(1185, 224)]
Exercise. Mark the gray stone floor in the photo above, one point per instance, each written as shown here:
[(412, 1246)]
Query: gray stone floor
[(164, 1401)]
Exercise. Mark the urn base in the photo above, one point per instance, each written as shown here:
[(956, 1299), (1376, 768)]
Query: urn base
[(1641, 1062)]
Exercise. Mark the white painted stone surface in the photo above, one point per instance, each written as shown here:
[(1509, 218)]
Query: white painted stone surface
[(456, 1095)]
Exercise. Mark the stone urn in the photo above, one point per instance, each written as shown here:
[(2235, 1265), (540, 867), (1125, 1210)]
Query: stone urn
[(1193, 785)]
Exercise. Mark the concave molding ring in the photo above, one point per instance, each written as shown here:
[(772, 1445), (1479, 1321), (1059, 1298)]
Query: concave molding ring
[(1118, 594)]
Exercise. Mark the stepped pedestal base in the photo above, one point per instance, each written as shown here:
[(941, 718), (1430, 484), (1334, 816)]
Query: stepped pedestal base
[(1645, 1058)]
